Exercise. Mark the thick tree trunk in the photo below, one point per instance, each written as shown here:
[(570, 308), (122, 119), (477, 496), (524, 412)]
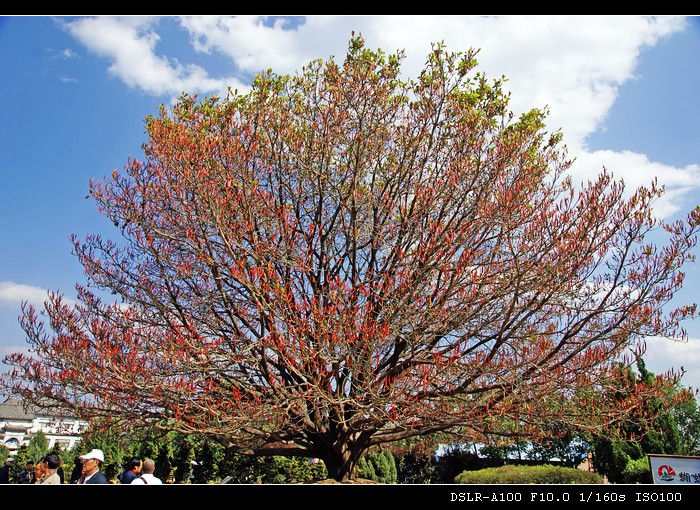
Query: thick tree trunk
[(341, 464)]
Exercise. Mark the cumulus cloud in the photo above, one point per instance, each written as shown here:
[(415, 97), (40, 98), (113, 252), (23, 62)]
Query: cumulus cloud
[(14, 294), (253, 43), (573, 65), (637, 170), (130, 44), (663, 353)]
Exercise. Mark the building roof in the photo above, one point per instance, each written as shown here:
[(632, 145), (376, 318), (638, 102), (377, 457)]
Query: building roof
[(12, 410)]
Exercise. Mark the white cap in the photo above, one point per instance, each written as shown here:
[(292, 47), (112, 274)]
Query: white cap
[(94, 454), (9, 459)]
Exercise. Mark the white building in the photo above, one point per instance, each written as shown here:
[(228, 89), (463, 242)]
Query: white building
[(18, 427)]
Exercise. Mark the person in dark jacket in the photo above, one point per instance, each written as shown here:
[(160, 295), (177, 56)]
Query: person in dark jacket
[(132, 470), (5, 475), (91, 467)]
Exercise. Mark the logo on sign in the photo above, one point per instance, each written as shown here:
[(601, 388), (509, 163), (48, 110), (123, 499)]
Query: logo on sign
[(666, 473)]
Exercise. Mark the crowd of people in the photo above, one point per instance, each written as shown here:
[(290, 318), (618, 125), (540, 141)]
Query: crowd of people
[(49, 470)]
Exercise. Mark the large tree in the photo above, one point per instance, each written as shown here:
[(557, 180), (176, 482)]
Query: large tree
[(344, 258)]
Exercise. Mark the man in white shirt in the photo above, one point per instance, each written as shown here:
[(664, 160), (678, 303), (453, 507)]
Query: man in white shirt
[(147, 477)]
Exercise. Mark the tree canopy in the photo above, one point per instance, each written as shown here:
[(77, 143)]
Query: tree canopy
[(344, 258)]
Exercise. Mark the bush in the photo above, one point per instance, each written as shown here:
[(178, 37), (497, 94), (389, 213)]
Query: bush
[(379, 467), (637, 471), (528, 474), (275, 469)]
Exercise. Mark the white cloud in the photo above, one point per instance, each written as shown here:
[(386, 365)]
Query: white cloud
[(564, 61), (130, 44), (248, 41), (6, 350), (13, 294), (637, 170), (64, 54), (663, 353), (68, 54), (573, 64)]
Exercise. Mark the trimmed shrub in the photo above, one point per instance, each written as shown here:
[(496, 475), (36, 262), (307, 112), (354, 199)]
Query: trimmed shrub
[(528, 474)]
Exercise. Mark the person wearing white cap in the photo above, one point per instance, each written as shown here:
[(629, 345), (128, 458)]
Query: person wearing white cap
[(5, 470), (91, 467)]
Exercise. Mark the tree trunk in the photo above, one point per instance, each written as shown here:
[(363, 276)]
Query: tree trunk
[(341, 464)]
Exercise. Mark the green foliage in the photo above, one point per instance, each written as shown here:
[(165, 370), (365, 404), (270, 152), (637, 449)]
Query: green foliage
[(167, 451), (610, 457), (38, 446), (687, 420), (386, 469), (545, 474), (454, 459), (378, 466), (500, 451), (182, 462), (277, 469), (622, 458), (365, 469), (414, 463), (21, 457), (164, 466), (564, 444), (637, 471), (205, 469)]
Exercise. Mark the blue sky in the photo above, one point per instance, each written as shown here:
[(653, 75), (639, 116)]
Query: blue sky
[(76, 90)]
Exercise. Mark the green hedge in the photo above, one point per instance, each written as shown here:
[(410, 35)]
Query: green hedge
[(528, 474)]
